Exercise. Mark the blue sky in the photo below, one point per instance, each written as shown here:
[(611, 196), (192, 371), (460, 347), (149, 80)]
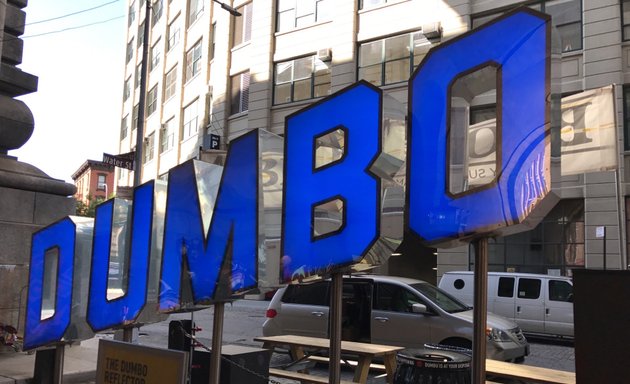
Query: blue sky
[(78, 102)]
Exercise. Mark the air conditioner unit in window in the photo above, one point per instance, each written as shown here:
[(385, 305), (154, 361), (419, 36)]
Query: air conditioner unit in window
[(324, 54), (432, 31)]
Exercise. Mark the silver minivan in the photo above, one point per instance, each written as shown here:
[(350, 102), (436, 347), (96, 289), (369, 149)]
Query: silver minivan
[(541, 305), (390, 310)]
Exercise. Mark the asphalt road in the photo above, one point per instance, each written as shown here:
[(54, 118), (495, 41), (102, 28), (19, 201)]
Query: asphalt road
[(244, 318)]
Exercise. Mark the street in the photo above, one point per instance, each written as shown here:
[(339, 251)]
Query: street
[(244, 318)]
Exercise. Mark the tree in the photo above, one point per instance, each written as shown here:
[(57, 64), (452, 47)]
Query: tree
[(87, 210)]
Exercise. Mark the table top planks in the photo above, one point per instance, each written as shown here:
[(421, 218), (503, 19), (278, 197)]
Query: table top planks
[(316, 342), (529, 373)]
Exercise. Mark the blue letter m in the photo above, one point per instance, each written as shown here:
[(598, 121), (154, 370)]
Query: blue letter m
[(224, 261)]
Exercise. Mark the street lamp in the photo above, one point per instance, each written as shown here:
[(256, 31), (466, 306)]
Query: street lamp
[(228, 8)]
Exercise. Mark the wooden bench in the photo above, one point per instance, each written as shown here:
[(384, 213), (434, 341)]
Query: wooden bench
[(528, 374), (302, 377), (364, 352)]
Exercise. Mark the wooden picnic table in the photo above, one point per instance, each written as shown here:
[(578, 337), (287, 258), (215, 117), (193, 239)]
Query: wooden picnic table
[(528, 373), (365, 352)]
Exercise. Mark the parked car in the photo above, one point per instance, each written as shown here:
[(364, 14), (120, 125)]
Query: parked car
[(541, 305), (390, 310)]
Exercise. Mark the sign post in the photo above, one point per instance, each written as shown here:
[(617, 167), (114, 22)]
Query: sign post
[(480, 313), (336, 287)]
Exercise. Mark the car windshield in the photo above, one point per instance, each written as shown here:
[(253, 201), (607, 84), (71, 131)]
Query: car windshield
[(440, 298)]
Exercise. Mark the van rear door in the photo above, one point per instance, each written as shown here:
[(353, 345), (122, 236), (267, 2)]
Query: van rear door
[(530, 313), (559, 308)]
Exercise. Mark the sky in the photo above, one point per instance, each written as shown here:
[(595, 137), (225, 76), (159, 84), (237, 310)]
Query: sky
[(81, 73)]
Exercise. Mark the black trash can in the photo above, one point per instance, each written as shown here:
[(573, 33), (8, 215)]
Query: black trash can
[(433, 365)]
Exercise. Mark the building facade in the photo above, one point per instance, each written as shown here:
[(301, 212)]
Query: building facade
[(94, 180), (213, 75)]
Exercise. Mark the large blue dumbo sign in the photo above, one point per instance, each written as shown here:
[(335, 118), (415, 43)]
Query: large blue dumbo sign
[(322, 198)]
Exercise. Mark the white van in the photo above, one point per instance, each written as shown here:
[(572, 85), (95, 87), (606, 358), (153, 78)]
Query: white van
[(539, 304)]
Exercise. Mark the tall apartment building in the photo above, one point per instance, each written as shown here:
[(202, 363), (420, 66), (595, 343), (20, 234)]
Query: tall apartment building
[(210, 73)]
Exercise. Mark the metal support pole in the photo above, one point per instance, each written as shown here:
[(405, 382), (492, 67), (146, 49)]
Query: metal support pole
[(128, 334), (60, 351), (480, 314), (604, 248), (137, 169), (217, 334), (334, 317)]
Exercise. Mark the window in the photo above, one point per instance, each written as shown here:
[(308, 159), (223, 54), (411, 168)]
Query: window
[(213, 32), (138, 75), (391, 60), (134, 116), (129, 51), (193, 61), (173, 34), (191, 124), (301, 79), (528, 288), (101, 182), (556, 243), (566, 16), (170, 81), (140, 35), (300, 13), (147, 151), (167, 136), (195, 8), (560, 290), (157, 7), (242, 31), (307, 294), (131, 13), (371, 3), (127, 89), (506, 287), (239, 93), (124, 127), (152, 100), (390, 297), (156, 55)]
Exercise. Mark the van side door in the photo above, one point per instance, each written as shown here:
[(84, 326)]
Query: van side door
[(530, 313), (392, 320), (559, 308), (503, 299)]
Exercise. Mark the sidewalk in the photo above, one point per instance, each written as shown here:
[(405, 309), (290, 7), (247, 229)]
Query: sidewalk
[(79, 364)]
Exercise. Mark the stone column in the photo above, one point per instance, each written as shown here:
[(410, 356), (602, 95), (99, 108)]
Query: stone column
[(29, 199)]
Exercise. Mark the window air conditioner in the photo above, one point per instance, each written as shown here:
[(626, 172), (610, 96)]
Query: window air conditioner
[(324, 54)]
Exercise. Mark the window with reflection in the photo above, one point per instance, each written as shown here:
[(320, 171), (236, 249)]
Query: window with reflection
[(392, 59), (301, 13), (152, 98), (167, 136), (566, 17), (301, 79), (195, 9), (173, 34), (555, 245), (193, 61), (191, 117), (170, 82)]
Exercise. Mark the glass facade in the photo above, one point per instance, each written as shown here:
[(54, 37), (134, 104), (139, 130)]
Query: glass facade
[(555, 245)]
